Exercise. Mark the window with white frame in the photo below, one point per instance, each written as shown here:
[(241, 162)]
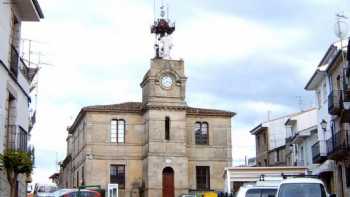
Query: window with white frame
[(118, 131)]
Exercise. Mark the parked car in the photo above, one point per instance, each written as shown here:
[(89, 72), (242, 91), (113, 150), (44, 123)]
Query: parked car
[(44, 190), (61, 192), (188, 195), (257, 191), (79, 193), (302, 187)]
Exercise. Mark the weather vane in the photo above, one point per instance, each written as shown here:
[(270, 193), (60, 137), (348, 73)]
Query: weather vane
[(163, 28)]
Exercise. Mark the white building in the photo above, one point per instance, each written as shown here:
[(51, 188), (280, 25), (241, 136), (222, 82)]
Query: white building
[(15, 82), (286, 140), (301, 135), (331, 94)]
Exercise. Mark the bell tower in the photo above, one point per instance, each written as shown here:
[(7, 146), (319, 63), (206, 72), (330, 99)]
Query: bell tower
[(165, 81)]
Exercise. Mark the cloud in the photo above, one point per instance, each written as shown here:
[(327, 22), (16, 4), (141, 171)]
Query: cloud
[(214, 37)]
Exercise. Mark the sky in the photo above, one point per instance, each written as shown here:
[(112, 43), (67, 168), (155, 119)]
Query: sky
[(251, 57)]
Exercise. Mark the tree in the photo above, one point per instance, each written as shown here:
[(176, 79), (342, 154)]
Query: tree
[(15, 163)]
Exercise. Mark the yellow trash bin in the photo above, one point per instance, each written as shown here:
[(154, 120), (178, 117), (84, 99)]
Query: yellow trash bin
[(210, 194)]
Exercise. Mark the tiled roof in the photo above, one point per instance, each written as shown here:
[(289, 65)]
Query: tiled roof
[(135, 107), (203, 111)]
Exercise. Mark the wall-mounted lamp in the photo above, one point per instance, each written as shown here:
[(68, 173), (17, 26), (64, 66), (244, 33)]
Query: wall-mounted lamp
[(324, 125)]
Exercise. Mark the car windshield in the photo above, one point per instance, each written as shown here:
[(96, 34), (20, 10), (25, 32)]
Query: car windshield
[(47, 189), (301, 190), (82, 194)]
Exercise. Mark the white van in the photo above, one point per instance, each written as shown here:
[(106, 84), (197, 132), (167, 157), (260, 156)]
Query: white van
[(302, 187), (257, 191)]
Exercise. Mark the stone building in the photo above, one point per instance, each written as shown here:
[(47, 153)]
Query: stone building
[(157, 147), (16, 81)]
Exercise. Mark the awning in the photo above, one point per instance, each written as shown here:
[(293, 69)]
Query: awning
[(327, 166)]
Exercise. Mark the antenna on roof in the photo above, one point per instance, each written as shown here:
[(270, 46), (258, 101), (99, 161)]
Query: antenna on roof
[(268, 115), (341, 30), (300, 102), (163, 28)]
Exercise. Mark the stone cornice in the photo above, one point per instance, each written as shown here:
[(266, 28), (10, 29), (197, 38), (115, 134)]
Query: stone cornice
[(140, 108)]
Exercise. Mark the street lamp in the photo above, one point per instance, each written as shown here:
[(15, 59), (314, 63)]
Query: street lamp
[(324, 125)]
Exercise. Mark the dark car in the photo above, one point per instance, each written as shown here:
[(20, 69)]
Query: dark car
[(82, 193)]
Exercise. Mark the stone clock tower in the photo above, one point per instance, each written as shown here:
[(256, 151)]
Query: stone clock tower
[(163, 100), (164, 84), (165, 164)]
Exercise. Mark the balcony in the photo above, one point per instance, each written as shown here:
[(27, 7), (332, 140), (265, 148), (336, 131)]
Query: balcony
[(346, 97), (345, 114), (317, 157), (17, 138), (14, 61), (299, 162), (299, 136), (334, 102), (289, 139), (338, 146), (29, 10), (18, 64)]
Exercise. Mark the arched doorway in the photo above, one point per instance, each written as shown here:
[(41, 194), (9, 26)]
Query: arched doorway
[(168, 182)]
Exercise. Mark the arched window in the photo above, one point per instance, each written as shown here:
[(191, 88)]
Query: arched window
[(202, 133), (118, 131), (167, 128)]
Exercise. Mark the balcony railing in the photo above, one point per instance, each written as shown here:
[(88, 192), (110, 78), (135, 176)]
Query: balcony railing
[(338, 146), (17, 138), (315, 149), (14, 61), (28, 72), (334, 102), (346, 97), (17, 63), (316, 153), (299, 162)]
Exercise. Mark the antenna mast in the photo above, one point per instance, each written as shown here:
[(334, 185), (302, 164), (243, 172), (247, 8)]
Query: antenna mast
[(163, 28), (341, 30), (300, 102)]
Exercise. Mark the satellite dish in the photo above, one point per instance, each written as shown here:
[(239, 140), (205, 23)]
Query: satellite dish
[(341, 28)]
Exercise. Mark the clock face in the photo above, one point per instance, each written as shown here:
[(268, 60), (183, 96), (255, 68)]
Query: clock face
[(167, 81)]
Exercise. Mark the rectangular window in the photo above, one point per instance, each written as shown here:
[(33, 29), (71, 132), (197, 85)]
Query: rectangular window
[(167, 128), (22, 139), (203, 177), (118, 131), (82, 176), (347, 174), (201, 133), (77, 178), (117, 175)]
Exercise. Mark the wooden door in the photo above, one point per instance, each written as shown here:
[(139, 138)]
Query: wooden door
[(168, 182)]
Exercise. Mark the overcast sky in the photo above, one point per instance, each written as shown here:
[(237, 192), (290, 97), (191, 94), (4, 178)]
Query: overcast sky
[(247, 56)]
